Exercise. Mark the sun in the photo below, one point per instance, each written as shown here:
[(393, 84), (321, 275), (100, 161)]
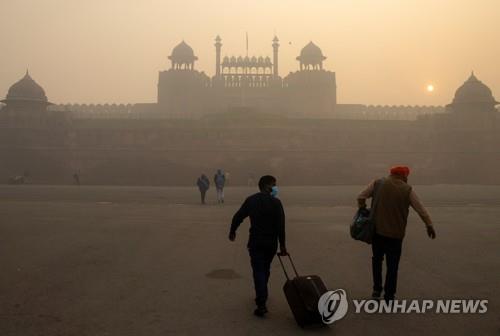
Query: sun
[(430, 88)]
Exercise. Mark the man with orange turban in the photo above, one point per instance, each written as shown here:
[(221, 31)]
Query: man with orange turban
[(394, 198)]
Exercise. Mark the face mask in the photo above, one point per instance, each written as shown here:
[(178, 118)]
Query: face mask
[(274, 191)]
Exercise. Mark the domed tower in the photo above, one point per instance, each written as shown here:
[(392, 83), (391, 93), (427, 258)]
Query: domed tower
[(183, 57), (465, 138), (311, 57), (474, 94), (26, 95), (312, 91), (182, 90), (474, 104), (29, 127)]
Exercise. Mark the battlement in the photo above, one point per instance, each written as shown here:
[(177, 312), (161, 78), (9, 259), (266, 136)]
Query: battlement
[(97, 111), (342, 111), (385, 112)]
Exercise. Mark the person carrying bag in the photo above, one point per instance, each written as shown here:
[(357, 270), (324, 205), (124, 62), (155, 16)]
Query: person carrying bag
[(384, 225), (363, 224)]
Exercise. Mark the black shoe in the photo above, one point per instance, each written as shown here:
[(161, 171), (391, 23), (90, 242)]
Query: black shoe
[(376, 295), (260, 311)]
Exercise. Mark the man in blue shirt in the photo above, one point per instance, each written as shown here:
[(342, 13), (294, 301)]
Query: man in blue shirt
[(267, 229)]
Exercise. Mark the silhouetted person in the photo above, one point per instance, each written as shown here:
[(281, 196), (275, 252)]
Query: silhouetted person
[(76, 179), (395, 197), (267, 228), (220, 181), (203, 184)]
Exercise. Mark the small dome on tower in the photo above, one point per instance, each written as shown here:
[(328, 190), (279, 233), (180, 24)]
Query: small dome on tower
[(26, 89), (311, 54), (473, 91), (311, 57), (183, 53)]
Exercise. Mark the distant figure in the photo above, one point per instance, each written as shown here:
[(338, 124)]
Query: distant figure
[(220, 181), (203, 184), (76, 179), (395, 197), (20, 179), (267, 228)]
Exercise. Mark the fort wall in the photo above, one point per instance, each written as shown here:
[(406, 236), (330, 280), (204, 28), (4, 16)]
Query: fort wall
[(299, 151)]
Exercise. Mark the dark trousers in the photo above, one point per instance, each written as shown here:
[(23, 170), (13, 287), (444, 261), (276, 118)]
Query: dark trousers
[(261, 257), (391, 248), (203, 193)]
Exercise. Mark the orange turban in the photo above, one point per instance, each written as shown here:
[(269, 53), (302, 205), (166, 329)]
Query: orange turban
[(400, 170)]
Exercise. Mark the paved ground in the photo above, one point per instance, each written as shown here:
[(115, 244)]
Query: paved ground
[(134, 261)]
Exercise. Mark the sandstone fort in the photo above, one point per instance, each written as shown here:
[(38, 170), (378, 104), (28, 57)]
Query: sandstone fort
[(248, 120)]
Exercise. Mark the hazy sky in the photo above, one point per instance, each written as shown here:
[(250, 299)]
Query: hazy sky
[(383, 51)]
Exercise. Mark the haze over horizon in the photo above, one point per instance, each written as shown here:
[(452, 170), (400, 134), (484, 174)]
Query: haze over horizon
[(386, 53)]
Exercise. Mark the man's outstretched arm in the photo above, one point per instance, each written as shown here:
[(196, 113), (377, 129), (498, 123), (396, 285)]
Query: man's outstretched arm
[(422, 212), (238, 218)]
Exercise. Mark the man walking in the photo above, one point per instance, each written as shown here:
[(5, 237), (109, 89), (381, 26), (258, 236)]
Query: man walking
[(267, 228), (220, 181), (394, 197), (203, 185)]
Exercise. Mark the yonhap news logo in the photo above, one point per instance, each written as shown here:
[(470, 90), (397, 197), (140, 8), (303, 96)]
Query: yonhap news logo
[(333, 306), (441, 306)]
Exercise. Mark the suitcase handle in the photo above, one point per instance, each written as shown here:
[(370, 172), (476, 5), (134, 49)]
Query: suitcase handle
[(283, 266)]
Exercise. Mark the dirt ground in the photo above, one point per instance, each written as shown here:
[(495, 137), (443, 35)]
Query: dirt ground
[(152, 261)]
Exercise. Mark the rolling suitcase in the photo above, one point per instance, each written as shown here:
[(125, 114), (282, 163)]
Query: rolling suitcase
[(302, 294)]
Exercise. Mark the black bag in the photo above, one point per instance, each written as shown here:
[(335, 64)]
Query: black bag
[(363, 224), (302, 294)]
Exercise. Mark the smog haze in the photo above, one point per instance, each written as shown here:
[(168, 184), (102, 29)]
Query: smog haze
[(384, 52)]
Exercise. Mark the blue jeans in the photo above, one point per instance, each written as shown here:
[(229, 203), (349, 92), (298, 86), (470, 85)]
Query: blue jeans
[(261, 257)]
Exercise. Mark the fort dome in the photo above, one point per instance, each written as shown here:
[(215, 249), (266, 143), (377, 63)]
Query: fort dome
[(473, 91), (26, 89), (311, 57), (183, 53), (311, 50), (311, 53)]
